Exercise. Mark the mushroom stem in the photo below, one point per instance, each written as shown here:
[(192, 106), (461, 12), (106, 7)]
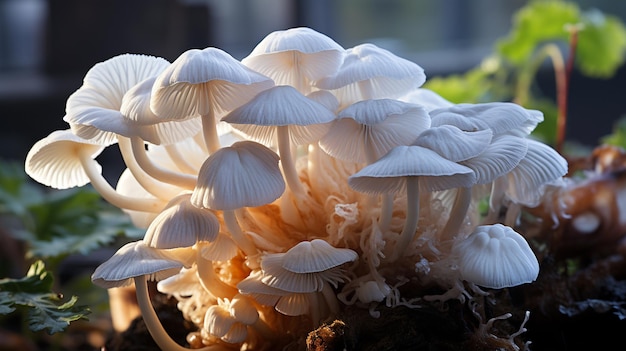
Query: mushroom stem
[(146, 181), (210, 281), (457, 214), (158, 333), (185, 181), (199, 139), (314, 309), (286, 160), (179, 160), (230, 219), (412, 215), (209, 130), (330, 298), (112, 196), (386, 212), (495, 201)]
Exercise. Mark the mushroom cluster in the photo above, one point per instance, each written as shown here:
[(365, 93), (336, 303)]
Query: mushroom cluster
[(278, 189)]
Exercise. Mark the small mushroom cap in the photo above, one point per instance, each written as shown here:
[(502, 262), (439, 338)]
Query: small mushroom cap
[(245, 174), (502, 155), (315, 256), (378, 125), (495, 256), (453, 143), (218, 321), (243, 309), (136, 259), (181, 225), (387, 75), (281, 105), (541, 165), (305, 267), (500, 117), (199, 81), (387, 175), (287, 55), (54, 160), (141, 121)]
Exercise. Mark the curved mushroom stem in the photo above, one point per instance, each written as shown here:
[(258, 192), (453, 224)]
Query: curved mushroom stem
[(210, 281), (159, 335), (151, 185), (209, 130), (185, 181), (457, 214), (286, 160), (199, 140), (179, 160), (412, 215), (112, 196), (230, 219)]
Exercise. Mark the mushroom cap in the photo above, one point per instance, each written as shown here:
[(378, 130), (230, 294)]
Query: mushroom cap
[(377, 125), (136, 259), (427, 98), (453, 143), (387, 175), (305, 267), (386, 75), (245, 174), (541, 165), (281, 105), (100, 96), (500, 117), (184, 282), (495, 256), (54, 160), (201, 81), (181, 224), (502, 155), (136, 109), (288, 55), (315, 256)]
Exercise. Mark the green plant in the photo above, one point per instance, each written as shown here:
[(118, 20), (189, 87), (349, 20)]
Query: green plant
[(595, 42)]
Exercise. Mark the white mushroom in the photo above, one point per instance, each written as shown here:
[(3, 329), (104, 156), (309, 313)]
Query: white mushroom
[(309, 267), (296, 57), (62, 160), (245, 174), (283, 116), (137, 262), (370, 72), (495, 256), (205, 83), (409, 168)]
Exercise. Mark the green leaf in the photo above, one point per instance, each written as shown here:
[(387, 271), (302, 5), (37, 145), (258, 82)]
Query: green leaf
[(601, 45), (535, 23), (45, 309), (471, 87)]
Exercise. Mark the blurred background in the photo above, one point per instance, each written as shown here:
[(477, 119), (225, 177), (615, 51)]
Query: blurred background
[(46, 46)]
